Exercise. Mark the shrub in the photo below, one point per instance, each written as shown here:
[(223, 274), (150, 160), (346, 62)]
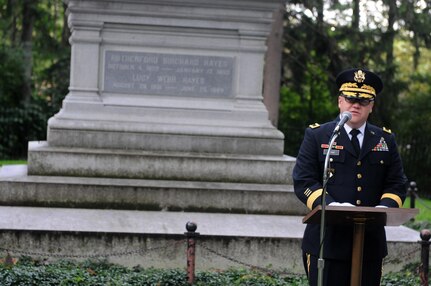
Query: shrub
[(28, 272)]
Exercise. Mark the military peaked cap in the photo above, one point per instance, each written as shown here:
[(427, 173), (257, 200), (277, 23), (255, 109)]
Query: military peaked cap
[(359, 83)]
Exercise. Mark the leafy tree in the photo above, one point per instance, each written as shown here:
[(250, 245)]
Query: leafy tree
[(11, 75), (368, 34), (415, 131), (33, 71)]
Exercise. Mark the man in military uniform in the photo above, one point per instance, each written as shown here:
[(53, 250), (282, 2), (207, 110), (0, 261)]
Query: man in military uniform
[(370, 176)]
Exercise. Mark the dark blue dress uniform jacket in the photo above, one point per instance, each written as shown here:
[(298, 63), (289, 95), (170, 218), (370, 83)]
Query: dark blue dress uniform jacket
[(375, 178)]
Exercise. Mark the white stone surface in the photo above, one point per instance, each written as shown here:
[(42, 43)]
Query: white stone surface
[(18, 188), (129, 221), (261, 240), (92, 117), (162, 165)]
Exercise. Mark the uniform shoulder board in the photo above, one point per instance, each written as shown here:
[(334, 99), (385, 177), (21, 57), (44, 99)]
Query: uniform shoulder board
[(315, 125), (387, 130)]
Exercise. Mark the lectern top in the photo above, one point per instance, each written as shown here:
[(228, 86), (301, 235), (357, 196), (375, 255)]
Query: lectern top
[(368, 215)]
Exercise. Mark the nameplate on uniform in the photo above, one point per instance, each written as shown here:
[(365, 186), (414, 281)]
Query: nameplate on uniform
[(333, 152)]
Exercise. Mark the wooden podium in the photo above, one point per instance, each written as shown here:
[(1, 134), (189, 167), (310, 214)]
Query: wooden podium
[(359, 217)]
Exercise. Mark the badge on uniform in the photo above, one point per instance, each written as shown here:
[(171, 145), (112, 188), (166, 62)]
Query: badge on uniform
[(335, 151), (381, 146)]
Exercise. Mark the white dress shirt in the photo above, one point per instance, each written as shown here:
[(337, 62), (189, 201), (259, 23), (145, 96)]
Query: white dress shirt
[(360, 134)]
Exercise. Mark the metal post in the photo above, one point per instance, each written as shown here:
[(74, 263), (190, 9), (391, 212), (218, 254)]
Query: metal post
[(191, 250), (326, 176), (425, 236), (412, 190)]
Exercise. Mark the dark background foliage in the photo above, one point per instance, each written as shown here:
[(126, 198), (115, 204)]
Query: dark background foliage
[(316, 49), (34, 71)]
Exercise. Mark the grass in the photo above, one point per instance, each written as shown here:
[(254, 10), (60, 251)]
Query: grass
[(12, 162), (424, 206), (423, 218)]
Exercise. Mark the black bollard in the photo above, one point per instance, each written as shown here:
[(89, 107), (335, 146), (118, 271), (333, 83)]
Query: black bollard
[(425, 236), (191, 234), (411, 191)]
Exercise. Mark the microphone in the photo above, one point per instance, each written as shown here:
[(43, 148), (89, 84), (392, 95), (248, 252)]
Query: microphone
[(345, 116)]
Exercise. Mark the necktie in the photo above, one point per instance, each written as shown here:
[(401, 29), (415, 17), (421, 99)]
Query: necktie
[(355, 141)]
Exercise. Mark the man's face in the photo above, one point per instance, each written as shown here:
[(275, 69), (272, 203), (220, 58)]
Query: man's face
[(359, 112)]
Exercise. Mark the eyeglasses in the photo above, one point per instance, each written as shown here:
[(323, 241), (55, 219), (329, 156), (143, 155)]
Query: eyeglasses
[(361, 101)]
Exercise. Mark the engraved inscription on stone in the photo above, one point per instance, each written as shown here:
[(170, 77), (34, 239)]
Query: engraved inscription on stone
[(168, 74)]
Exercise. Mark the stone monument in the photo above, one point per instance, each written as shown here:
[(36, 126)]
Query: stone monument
[(165, 91)]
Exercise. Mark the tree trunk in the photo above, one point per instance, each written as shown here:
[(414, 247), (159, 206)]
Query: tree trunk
[(389, 95), (356, 35), (10, 9), (65, 34), (355, 16), (272, 72), (28, 14), (319, 6), (417, 53)]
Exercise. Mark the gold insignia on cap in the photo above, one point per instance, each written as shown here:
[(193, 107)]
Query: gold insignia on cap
[(353, 90), (368, 88), (359, 76)]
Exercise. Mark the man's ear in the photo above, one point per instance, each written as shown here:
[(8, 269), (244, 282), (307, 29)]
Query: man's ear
[(339, 100)]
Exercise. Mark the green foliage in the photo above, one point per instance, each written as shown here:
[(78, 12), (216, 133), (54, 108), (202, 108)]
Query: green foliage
[(423, 219), (394, 42), (245, 277), (409, 276), (19, 121), (28, 272), (305, 104), (414, 132), (24, 119), (418, 225), (18, 125), (10, 76), (53, 84), (95, 273)]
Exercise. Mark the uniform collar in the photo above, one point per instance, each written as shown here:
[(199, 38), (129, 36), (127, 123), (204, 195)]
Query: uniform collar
[(361, 129)]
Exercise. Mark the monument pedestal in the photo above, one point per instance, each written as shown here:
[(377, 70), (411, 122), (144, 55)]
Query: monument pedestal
[(165, 103), (161, 90)]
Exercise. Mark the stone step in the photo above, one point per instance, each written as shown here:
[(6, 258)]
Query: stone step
[(167, 129), (45, 160), (18, 188), (156, 239)]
